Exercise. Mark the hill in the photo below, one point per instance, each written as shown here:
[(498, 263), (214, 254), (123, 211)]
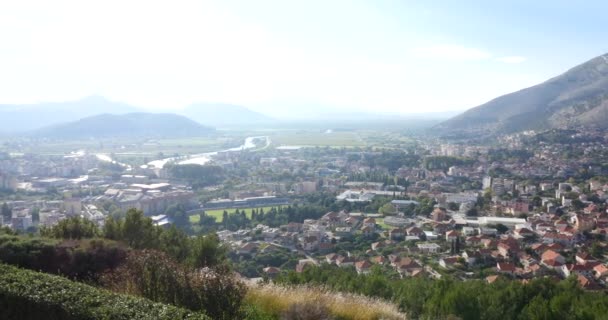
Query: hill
[(28, 294), (27, 117), (224, 114), (578, 97), (126, 125)]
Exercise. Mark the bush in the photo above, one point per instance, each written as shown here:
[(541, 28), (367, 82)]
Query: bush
[(153, 275), (29, 295), (309, 310), (76, 259)]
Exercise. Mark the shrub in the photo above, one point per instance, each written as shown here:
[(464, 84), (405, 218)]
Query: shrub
[(152, 274), (285, 301), (309, 310), (29, 295)]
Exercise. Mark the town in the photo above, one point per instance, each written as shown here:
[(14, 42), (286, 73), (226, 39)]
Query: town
[(532, 206)]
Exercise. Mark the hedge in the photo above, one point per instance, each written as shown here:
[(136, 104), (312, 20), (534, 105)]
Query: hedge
[(32, 295)]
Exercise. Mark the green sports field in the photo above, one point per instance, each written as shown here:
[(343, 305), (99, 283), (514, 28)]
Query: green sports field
[(219, 214)]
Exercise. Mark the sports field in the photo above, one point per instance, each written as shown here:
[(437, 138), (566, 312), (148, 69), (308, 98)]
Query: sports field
[(219, 214)]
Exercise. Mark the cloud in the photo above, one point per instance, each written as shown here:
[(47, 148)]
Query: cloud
[(511, 59), (452, 52)]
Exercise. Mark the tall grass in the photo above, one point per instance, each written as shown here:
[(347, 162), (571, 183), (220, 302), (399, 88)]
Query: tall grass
[(277, 300)]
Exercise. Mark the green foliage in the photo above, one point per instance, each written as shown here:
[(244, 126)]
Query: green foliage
[(197, 175), (82, 260), (6, 212), (444, 162), (28, 295), (423, 298), (138, 231), (207, 251), (72, 228), (154, 275)]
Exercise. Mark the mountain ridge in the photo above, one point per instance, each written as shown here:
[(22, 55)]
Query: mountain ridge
[(577, 97), (28, 117), (215, 114), (137, 124)]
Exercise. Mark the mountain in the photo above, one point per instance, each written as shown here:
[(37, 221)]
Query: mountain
[(578, 97), (215, 114), (27, 117), (126, 125)]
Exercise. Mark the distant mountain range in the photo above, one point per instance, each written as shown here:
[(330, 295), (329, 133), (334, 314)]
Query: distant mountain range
[(27, 117), (125, 125), (217, 114), (578, 97)]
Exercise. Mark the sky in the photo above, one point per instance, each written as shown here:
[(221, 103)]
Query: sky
[(290, 57)]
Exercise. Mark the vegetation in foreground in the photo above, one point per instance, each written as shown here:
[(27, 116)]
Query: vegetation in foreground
[(32, 295), (314, 302), (423, 298)]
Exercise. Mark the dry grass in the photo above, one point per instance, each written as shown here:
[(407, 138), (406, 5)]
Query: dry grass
[(276, 300)]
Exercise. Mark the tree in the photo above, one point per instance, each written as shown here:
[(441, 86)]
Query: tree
[(501, 228), (6, 212), (72, 228), (207, 251), (138, 231), (112, 229), (388, 209)]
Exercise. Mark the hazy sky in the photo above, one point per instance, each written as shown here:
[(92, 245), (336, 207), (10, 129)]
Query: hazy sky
[(394, 56)]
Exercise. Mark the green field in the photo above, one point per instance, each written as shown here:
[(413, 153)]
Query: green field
[(219, 214), (380, 222), (307, 138)]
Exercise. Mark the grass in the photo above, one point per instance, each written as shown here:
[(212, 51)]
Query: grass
[(219, 214), (307, 138), (276, 300), (380, 222)]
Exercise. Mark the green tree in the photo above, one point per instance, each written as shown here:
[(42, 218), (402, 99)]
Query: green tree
[(207, 251), (72, 228), (139, 232)]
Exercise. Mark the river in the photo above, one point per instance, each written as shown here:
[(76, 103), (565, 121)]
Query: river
[(203, 158)]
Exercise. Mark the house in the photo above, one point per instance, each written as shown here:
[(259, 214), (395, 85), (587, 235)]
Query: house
[(449, 262), (369, 222), (439, 214), (428, 247), (248, 248), (451, 235), (508, 247), (367, 230), (491, 279), (378, 245), (551, 255), (325, 247), (396, 234), (310, 243), (363, 267), (379, 259), (600, 271), (342, 261), (405, 265), (302, 264), (583, 223), (471, 257), (469, 231), (331, 258), (584, 258), (524, 233), (415, 231), (272, 272), (587, 283), (568, 269), (505, 267)]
